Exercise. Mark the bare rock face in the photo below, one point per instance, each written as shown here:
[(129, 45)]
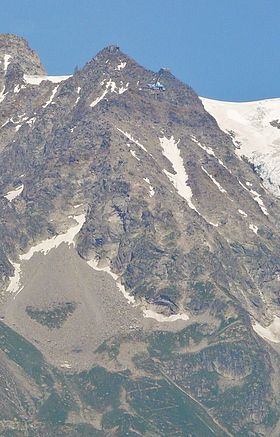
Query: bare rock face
[(15, 50), (138, 254)]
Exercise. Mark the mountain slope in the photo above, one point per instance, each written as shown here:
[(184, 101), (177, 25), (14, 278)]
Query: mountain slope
[(137, 248)]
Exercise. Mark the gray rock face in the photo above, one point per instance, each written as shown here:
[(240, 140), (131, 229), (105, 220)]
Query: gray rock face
[(18, 52), (172, 212)]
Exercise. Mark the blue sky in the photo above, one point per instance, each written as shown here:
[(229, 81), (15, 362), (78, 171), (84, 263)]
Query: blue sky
[(225, 49)]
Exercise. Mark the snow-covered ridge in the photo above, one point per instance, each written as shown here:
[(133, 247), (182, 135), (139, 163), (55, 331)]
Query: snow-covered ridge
[(255, 131), (36, 80)]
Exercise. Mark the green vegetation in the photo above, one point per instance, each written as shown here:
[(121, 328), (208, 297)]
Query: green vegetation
[(53, 409), (22, 352), (53, 317), (194, 382)]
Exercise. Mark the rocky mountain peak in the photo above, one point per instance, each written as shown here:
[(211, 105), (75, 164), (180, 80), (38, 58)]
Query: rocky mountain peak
[(139, 253), (15, 50)]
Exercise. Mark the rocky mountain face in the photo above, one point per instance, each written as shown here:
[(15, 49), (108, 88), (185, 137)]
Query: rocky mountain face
[(139, 257)]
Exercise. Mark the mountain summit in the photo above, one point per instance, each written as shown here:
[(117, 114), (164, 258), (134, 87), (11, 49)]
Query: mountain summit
[(15, 50), (139, 258)]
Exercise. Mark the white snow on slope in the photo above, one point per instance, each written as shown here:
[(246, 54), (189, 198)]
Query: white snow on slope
[(151, 189), (110, 86), (78, 92), (31, 121), (130, 137), (51, 243), (44, 247), (256, 196), (253, 228), (6, 62), (249, 124), (6, 122), (241, 212), (21, 118), (14, 285), (146, 313), (123, 89), (18, 87), (161, 318), (133, 153), (98, 99), (11, 195), (36, 80), (271, 332), (222, 190), (209, 151), (94, 265), (54, 91), (180, 178), (121, 66), (2, 94)]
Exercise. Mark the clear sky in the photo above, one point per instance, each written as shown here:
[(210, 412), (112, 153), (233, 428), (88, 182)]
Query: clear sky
[(225, 49)]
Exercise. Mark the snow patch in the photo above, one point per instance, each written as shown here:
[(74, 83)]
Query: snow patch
[(14, 285), (151, 189), (122, 89), (2, 94), (6, 122), (209, 151), (44, 247), (180, 178), (133, 153), (65, 365), (78, 92), (94, 265), (213, 224), (110, 85), (11, 195), (98, 99), (36, 80), (31, 121), (17, 88), (121, 66), (270, 332), (54, 91), (7, 62), (253, 228), (256, 196), (222, 190), (161, 318), (52, 243), (242, 213), (130, 137)]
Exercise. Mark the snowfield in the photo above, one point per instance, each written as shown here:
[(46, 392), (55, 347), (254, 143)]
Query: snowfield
[(255, 130)]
